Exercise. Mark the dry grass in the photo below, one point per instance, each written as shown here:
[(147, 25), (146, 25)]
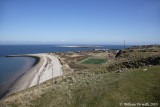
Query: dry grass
[(88, 89)]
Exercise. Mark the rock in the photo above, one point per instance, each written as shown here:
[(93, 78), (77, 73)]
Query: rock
[(118, 71), (118, 54), (145, 69)]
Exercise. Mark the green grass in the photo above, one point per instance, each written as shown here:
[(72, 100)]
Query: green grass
[(82, 89), (105, 90), (94, 61)]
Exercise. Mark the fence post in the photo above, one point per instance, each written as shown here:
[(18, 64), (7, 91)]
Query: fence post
[(52, 77), (38, 77)]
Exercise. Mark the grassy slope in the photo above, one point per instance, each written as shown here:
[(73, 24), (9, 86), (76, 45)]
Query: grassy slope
[(110, 89), (107, 89), (94, 61), (99, 87)]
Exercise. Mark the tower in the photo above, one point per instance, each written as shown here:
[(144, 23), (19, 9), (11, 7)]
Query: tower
[(124, 44)]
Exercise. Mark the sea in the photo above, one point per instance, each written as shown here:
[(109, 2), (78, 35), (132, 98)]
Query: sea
[(12, 68)]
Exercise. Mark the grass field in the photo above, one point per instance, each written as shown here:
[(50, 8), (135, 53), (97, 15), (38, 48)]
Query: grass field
[(94, 61), (100, 90), (134, 86)]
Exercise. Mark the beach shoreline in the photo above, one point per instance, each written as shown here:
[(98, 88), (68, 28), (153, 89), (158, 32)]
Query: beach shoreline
[(79, 46), (26, 67), (44, 66)]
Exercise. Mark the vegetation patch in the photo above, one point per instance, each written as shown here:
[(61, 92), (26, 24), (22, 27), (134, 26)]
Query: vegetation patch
[(84, 89), (94, 61)]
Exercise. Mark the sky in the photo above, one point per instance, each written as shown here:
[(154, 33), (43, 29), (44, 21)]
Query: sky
[(107, 22)]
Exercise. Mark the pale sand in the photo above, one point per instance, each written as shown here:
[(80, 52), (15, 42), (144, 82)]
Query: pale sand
[(76, 46), (47, 68)]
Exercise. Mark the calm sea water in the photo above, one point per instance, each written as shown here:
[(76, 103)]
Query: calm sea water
[(13, 67)]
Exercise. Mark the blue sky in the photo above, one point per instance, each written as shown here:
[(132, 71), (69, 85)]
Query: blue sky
[(79, 21)]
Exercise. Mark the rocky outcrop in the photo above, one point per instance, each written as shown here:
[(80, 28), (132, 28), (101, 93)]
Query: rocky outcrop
[(135, 63)]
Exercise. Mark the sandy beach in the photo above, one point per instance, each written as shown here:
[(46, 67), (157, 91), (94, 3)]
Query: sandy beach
[(48, 67), (79, 46)]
